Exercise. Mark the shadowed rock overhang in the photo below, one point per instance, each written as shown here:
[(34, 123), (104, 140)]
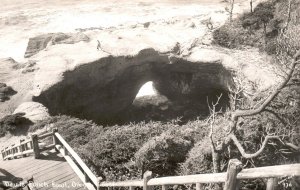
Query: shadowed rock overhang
[(104, 89)]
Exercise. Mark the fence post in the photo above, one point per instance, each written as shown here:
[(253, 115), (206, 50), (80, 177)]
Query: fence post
[(146, 177), (234, 167), (131, 187), (21, 148), (35, 146), (65, 151), (6, 152), (86, 177), (99, 179), (272, 184), (199, 186), (164, 187), (55, 140), (3, 154)]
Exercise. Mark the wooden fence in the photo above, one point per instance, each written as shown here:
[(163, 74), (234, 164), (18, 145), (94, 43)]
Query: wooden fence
[(32, 146), (26, 147), (230, 179)]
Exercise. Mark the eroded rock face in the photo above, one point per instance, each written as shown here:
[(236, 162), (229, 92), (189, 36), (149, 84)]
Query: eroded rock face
[(40, 42), (105, 88)]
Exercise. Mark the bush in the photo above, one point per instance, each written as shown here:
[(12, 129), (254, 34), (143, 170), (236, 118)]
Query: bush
[(247, 29), (223, 36), (271, 47), (199, 159), (264, 12), (75, 131), (110, 151), (289, 42), (14, 123), (161, 154), (233, 35), (113, 148)]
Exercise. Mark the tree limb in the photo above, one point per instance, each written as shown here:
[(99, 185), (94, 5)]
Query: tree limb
[(239, 113), (257, 153), (294, 147), (276, 115)]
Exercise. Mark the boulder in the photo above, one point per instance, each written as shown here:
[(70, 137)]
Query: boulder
[(33, 111), (6, 92), (8, 60)]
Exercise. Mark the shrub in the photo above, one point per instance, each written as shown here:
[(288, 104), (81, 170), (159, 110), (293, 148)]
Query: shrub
[(14, 123), (271, 47), (264, 12), (75, 131), (223, 37), (161, 154), (289, 42), (198, 159), (246, 29), (233, 35), (115, 146)]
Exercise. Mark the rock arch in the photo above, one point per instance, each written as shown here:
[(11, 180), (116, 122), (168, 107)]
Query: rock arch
[(102, 90)]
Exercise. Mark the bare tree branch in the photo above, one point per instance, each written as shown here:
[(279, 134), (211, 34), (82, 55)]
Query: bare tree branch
[(289, 15), (213, 113), (257, 153), (263, 146), (276, 115), (294, 147), (239, 113)]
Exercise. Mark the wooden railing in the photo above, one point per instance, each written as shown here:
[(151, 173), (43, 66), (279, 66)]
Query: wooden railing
[(80, 168), (230, 179), (32, 146), (26, 147)]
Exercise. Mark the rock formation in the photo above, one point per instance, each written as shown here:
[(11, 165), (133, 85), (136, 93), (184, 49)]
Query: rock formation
[(33, 111), (101, 89), (40, 42), (5, 92)]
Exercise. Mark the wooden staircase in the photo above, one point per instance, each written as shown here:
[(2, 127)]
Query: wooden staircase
[(57, 154)]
